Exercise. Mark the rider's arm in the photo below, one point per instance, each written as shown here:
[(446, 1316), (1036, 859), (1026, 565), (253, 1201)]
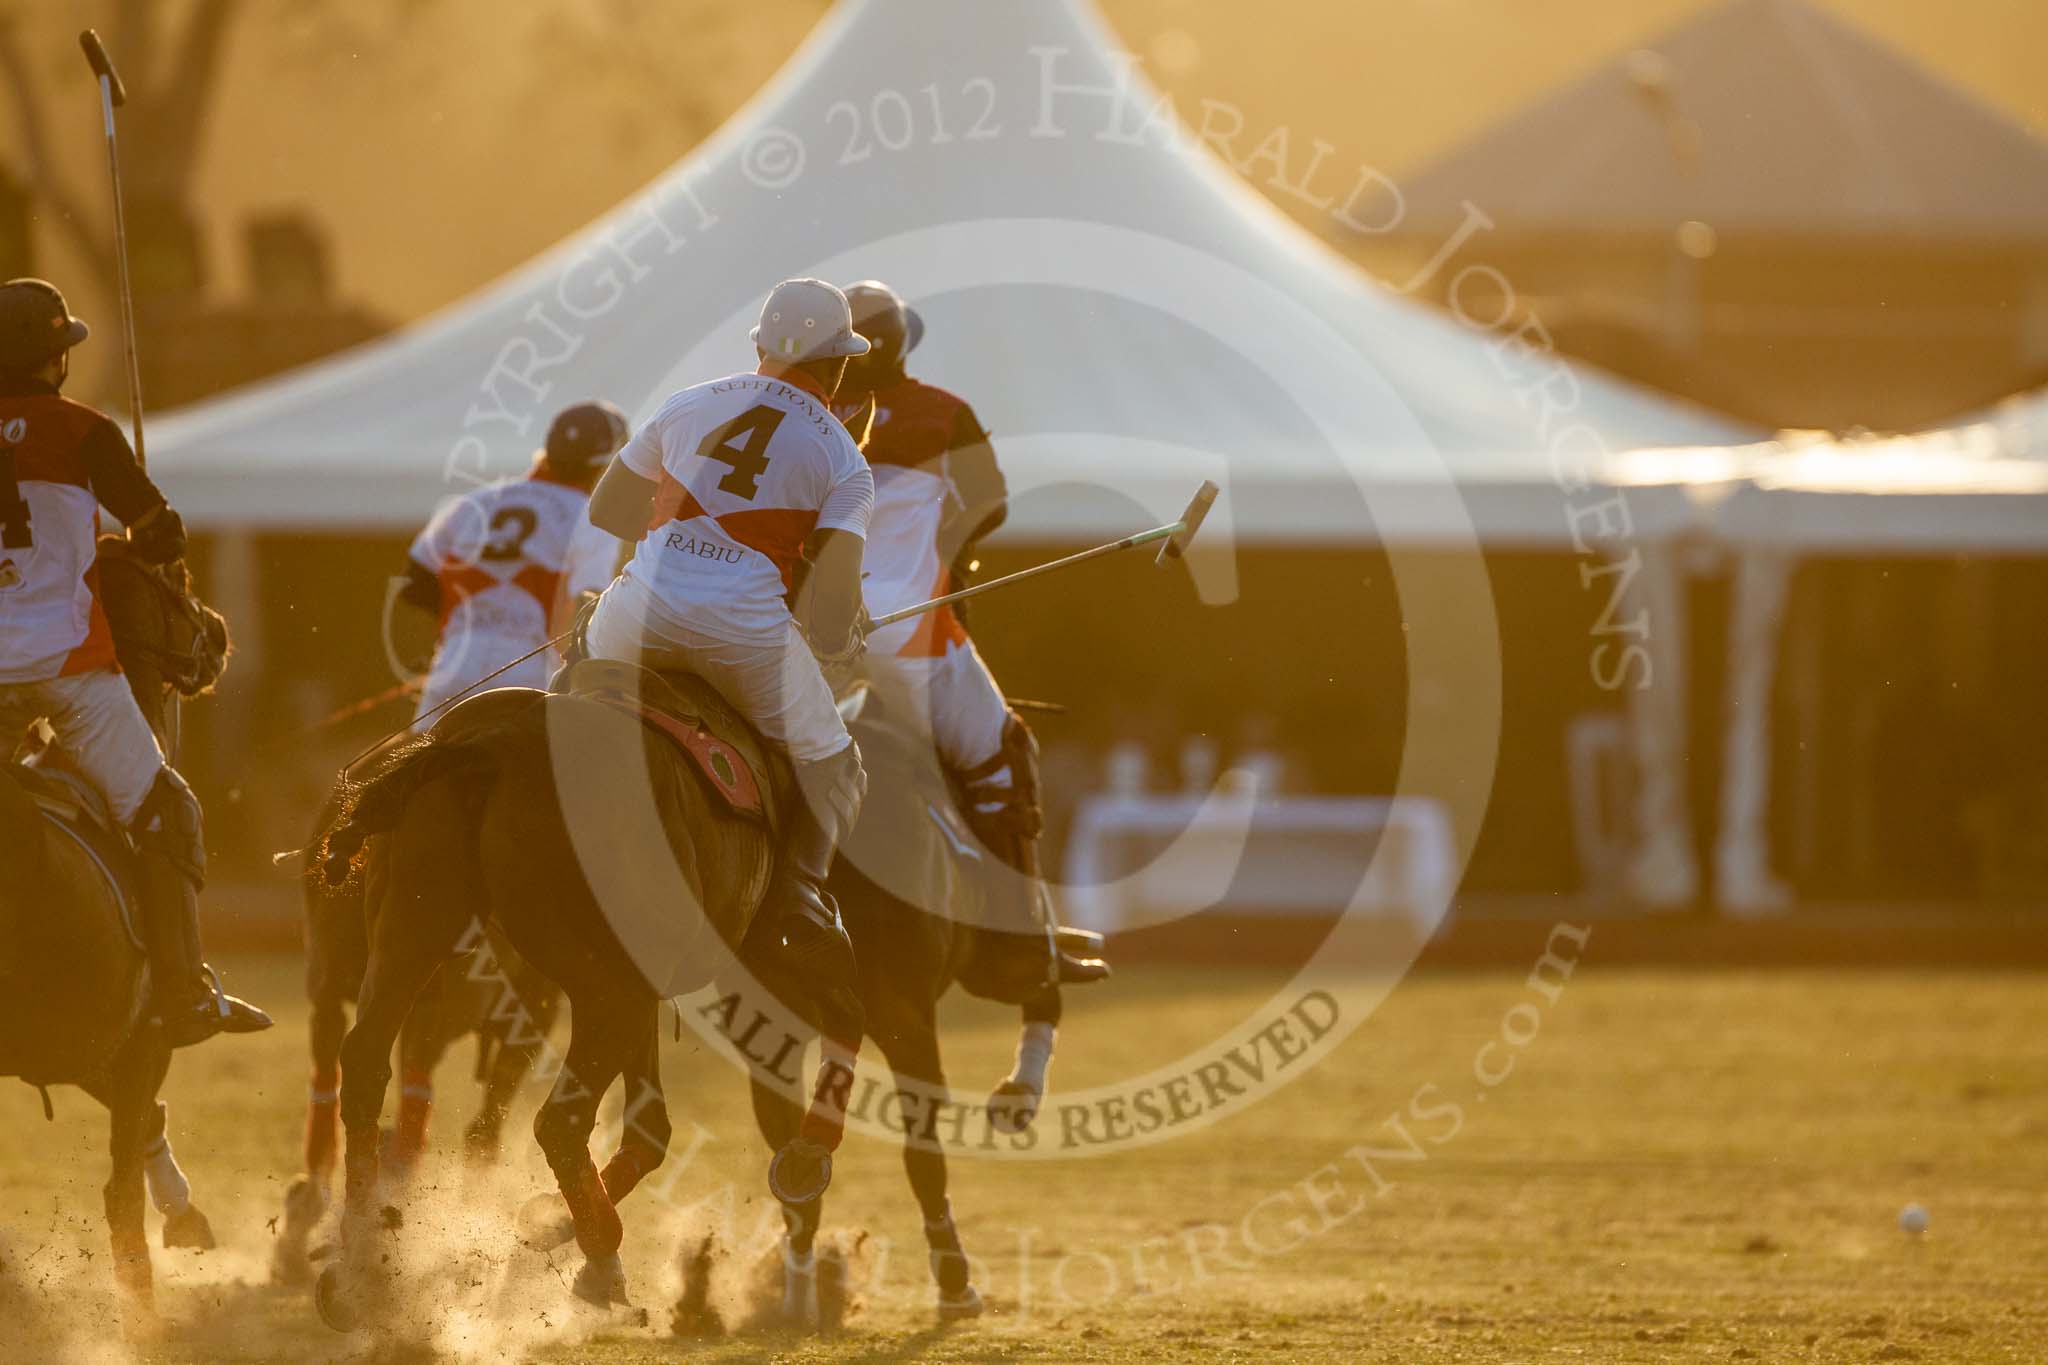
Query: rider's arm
[(828, 604), (122, 487), (422, 588), (977, 482), (430, 549), (413, 637), (623, 501)]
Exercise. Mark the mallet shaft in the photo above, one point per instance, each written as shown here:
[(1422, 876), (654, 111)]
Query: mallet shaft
[(113, 94), (1128, 542)]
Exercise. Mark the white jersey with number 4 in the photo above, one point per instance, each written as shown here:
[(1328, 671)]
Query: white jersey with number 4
[(745, 469), (507, 555)]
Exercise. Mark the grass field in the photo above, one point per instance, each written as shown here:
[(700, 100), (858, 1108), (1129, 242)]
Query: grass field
[(1680, 1167)]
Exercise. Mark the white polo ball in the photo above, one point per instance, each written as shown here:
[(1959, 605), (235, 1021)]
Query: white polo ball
[(1913, 1219)]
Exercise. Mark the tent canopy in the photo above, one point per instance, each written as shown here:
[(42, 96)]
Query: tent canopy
[(1759, 116), (1126, 317), (1961, 489)]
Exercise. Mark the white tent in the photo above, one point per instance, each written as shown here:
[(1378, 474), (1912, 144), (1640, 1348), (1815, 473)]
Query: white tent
[(1126, 317), (1979, 488)]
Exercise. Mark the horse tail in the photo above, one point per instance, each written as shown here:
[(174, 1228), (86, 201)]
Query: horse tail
[(375, 804)]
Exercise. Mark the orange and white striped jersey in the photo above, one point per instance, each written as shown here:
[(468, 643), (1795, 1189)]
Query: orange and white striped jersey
[(936, 487), (506, 556), (746, 468)]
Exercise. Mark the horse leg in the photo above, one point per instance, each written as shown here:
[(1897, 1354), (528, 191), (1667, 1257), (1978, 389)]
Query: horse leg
[(1013, 1104), (411, 939), (421, 1042), (779, 1117), (129, 1093), (337, 949), (184, 1225), (601, 1043), (307, 1197), (645, 1130), (529, 1015), (909, 1037), (801, 1169)]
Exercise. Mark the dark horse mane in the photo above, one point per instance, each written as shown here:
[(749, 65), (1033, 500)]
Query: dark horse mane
[(370, 798)]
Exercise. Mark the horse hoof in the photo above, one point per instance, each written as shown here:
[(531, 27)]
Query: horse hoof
[(602, 1282), (337, 1307), (290, 1267), (304, 1202), (1012, 1106), (544, 1223), (962, 1306), (188, 1229), (800, 1172)]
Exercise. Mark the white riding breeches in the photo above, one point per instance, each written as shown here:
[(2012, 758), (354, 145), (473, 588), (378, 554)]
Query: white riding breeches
[(777, 686), (953, 697), (101, 733)]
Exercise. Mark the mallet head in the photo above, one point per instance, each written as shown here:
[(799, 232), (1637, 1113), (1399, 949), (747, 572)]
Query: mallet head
[(103, 66), (1190, 521)]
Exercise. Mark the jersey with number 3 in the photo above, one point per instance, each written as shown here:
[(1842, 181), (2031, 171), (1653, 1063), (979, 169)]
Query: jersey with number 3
[(505, 555), (745, 468)]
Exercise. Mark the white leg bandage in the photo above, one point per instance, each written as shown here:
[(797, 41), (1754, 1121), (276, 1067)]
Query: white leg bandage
[(1034, 1055), (168, 1188)]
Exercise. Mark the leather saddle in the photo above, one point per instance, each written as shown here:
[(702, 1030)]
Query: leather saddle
[(72, 805), (753, 777)]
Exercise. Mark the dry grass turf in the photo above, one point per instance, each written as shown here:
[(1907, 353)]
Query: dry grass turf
[(1680, 1167)]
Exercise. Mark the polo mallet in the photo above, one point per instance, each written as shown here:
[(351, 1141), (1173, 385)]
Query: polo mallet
[(1176, 536), (112, 96)]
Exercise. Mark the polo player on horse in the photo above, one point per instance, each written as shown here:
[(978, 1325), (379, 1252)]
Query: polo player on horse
[(748, 501), (501, 567), (938, 492), (60, 462)]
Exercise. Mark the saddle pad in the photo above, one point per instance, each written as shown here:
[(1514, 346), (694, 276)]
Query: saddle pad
[(81, 815), (62, 794), (752, 777), (720, 764)]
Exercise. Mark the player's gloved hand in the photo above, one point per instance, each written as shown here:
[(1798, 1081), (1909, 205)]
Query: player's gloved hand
[(158, 536), (841, 666)]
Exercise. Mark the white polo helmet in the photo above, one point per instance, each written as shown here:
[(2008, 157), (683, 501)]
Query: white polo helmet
[(807, 320)]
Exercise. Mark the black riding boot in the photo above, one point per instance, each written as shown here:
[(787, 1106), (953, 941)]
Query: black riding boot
[(171, 867), (810, 945), (811, 940)]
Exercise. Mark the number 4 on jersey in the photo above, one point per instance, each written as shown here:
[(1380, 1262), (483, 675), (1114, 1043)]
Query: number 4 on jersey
[(743, 444)]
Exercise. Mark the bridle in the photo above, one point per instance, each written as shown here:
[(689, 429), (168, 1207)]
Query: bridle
[(188, 651)]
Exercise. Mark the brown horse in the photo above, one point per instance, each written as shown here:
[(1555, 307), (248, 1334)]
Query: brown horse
[(910, 840), (649, 891), (76, 982), (492, 993)]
